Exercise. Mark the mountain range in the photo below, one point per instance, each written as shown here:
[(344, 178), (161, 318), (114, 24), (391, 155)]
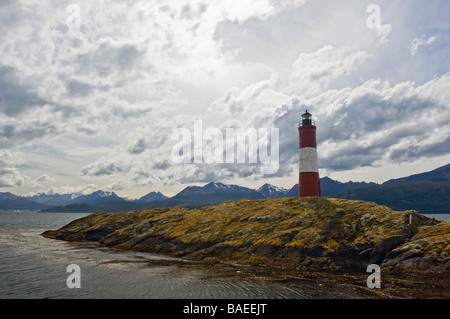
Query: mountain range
[(426, 192)]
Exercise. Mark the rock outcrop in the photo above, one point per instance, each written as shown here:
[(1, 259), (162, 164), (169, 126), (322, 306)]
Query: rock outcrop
[(311, 233)]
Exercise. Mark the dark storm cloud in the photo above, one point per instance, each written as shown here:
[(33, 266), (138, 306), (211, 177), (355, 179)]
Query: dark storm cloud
[(13, 135), (417, 151), (16, 97), (147, 141), (345, 161), (139, 147), (366, 125), (162, 165), (369, 113), (101, 170)]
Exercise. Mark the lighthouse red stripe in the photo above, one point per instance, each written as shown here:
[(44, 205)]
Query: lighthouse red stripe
[(309, 184), (307, 136)]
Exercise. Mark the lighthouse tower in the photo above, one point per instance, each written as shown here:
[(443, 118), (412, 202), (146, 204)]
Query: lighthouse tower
[(309, 182)]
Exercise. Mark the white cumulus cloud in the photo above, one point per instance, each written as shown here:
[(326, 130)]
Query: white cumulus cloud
[(422, 41)]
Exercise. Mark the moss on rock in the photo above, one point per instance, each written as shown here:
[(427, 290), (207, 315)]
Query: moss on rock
[(303, 232)]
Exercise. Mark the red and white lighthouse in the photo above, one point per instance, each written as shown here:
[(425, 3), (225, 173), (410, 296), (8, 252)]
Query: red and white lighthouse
[(308, 182)]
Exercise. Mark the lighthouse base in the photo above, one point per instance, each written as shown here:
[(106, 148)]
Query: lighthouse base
[(309, 184)]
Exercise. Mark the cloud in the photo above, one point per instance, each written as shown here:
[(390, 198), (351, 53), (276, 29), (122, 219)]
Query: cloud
[(139, 147), (44, 179), (39, 182), (108, 58), (137, 70), (34, 126), (9, 174), (380, 121), (420, 149), (416, 43), (79, 189), (366, 125), (287, 4), (370, 124), (17, 95), (104, 169), (315, 71), (76, 88)]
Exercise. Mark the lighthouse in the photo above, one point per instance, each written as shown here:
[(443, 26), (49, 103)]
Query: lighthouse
[(308, 181)]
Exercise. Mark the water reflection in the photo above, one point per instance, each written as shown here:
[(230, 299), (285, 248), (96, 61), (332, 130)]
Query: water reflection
[(35, 267)]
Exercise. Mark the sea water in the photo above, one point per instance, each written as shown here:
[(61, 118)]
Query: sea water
[(34, 267)]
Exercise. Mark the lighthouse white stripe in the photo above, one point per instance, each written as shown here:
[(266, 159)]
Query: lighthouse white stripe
[(308, 160)]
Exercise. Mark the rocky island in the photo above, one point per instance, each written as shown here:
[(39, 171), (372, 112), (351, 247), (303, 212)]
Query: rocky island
[(296, 235)]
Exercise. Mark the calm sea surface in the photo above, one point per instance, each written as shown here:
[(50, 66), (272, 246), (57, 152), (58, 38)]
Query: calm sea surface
[(32, 266)]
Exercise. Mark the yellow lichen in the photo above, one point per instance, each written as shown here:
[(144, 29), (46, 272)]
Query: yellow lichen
[(286, 222)]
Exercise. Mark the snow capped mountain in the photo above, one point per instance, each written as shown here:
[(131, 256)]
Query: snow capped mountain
[(97, 197), (214, 188), (75, 198), (53, 199), (215, 193), (104, 194), (271, 191)]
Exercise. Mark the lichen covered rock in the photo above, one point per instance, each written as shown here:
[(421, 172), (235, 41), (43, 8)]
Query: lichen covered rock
[(429, 249), (292, 232)]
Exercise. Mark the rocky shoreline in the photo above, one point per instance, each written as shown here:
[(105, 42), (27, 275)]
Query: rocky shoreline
[(289, 234)]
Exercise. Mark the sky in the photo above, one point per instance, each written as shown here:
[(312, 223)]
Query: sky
[(92, 93)]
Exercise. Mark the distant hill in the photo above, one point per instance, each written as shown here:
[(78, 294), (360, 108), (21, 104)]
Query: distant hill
[(123, 206), (96, 201), (52, 199), (428, 193), (329, 187), (438, 175), (98, 197), (425, 197), (214, 188), (293, 192), (151, 197), (215, 193), (190, 197), (10, 201), (95, 198)]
